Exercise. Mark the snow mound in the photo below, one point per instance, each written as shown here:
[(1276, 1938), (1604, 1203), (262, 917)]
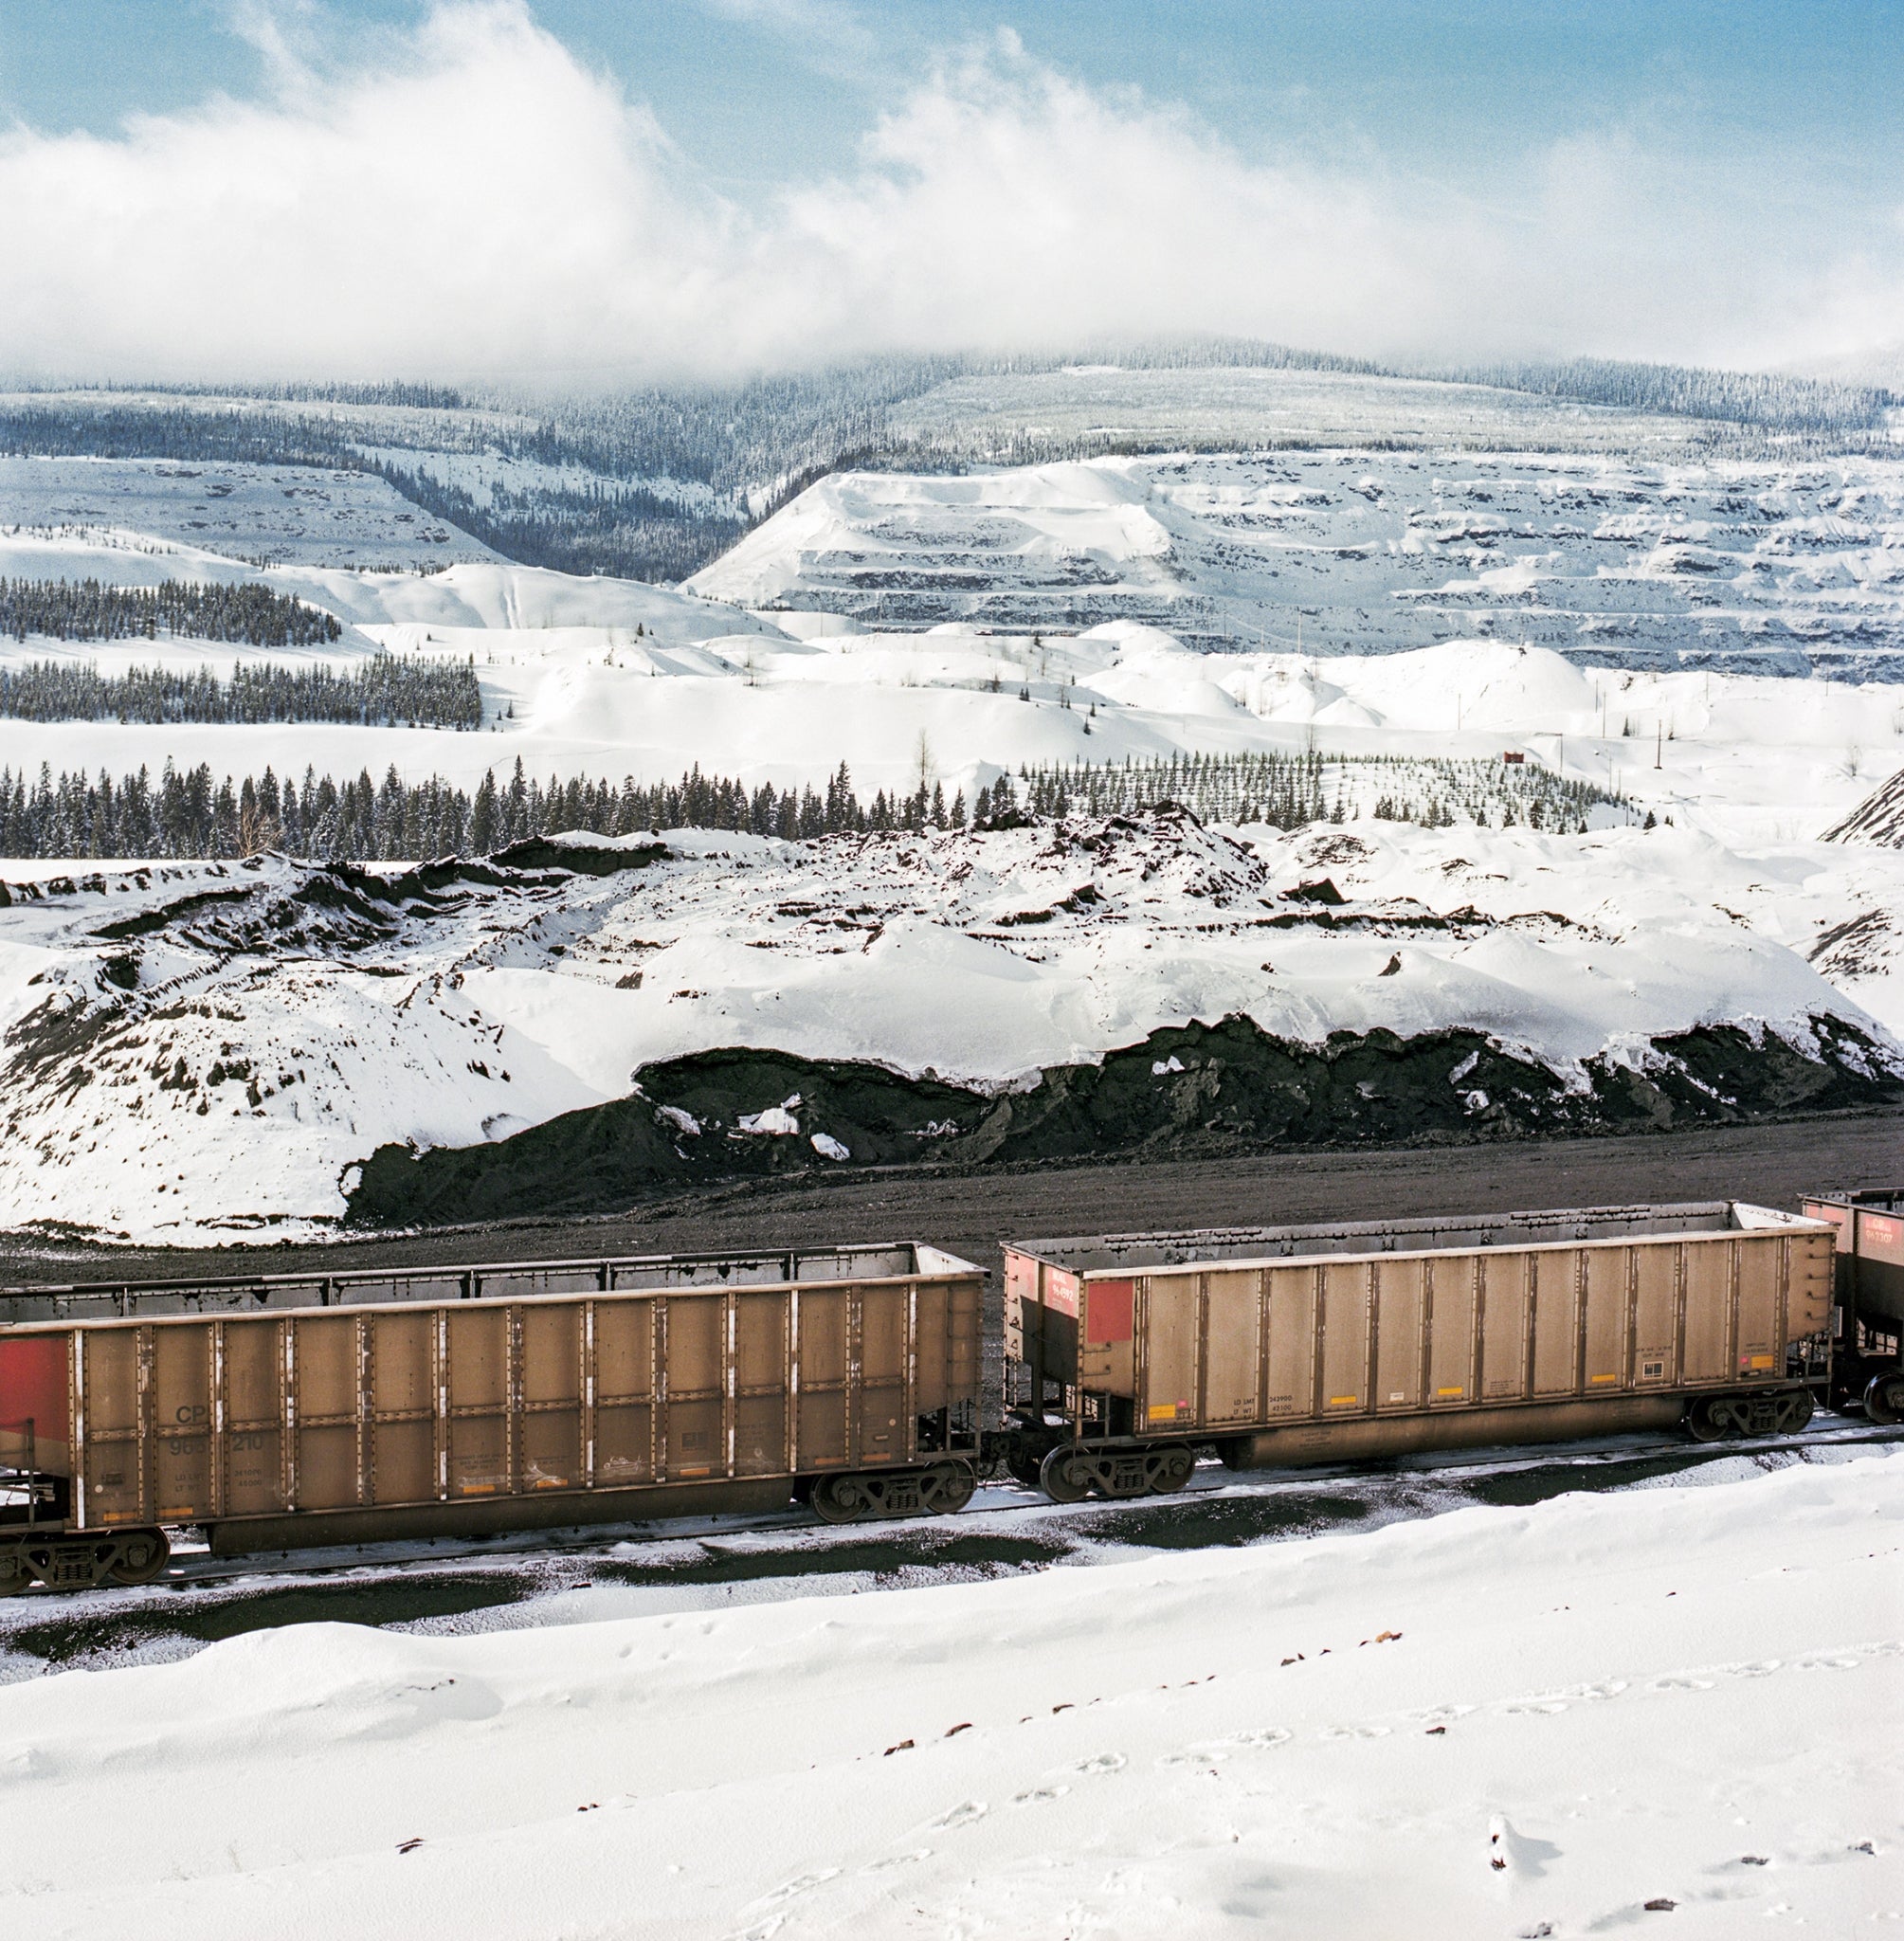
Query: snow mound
[(1473, 1725)]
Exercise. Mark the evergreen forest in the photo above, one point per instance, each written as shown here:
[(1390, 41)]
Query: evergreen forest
[(187, 814)]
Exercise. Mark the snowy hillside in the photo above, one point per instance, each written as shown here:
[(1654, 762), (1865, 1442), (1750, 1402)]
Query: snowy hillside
[(612, 677), (1586, 1716), (203, 1048), (196, 1048), (291, 515), (1783, 566), (1243, 406), (1879, 818)]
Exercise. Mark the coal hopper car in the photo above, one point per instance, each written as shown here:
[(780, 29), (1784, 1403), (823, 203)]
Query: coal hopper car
[(1868, 1329), (1296, 1345), (299, 1409)]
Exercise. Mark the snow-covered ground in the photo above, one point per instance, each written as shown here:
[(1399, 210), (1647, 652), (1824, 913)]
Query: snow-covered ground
[(272, 1041), (1615, 558), (1583, 1717)]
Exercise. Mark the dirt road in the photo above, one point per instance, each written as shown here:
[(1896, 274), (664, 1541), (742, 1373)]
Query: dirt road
[(1771, 1164)]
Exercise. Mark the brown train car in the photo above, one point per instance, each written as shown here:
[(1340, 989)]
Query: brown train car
[(1868, 1366), (339, 1408), (1306, 1344)]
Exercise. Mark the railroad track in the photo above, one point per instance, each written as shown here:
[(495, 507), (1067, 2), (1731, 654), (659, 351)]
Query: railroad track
[(1413, 1486)]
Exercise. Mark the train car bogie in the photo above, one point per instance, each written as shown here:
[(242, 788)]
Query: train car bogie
[(82, 1562), (1071, 1472), (936, 1488), (1725, 1418)]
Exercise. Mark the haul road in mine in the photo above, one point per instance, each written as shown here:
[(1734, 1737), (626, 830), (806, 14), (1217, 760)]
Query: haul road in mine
[(295, 1411)]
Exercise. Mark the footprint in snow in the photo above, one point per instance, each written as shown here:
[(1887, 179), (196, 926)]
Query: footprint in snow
[(961, 1815), (1681, 1682), (1604, 1688), (801, 1883), (1211, 1751), (1353, 1731), (1103, 1762), (1039, 1794), (1438, 1714)]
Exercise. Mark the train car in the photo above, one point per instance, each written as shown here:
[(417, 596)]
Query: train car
[(298, 1410), (1293, 1345), (1868, 1328)]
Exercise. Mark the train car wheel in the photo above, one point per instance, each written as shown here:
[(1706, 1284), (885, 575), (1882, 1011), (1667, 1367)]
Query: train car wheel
[(841, 1499), (1707, 1421), (141, 1556), (1022, 1468), (1794, 1411), (1884, 1398), (16, 1573), (1065, 1475), (1169, 1471), (947, 1488)]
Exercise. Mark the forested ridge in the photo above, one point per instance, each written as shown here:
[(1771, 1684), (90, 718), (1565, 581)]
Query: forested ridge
[(187, 813), (757, 444), (385, 691), (94, 610)]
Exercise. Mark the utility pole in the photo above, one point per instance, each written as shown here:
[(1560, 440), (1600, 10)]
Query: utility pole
[(1658, 744)]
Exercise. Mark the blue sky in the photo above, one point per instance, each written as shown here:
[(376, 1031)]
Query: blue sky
[(1397, 176), (756, 92)]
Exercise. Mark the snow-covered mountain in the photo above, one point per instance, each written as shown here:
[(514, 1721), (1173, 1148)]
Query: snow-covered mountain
[(1650, 563)]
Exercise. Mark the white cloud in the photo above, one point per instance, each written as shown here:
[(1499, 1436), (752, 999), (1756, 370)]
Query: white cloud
[(480, 202)]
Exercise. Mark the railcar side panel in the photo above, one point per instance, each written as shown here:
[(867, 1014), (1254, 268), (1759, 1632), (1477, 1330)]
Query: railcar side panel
[(1606, 1278), (1556, 1322), (1343, 1387), (1452, 1316), (1230, 1360), (112, 1428), (1289, 1342), (1168, 1356), (1702, 1302), (825, 1432), (1400, 1314), (1504, 1326), (1706, 1312), (1656, 1317)]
